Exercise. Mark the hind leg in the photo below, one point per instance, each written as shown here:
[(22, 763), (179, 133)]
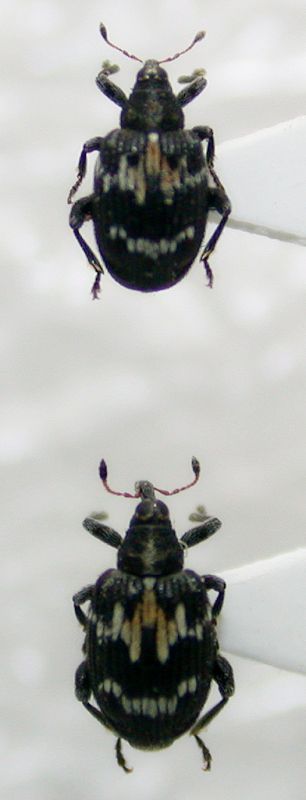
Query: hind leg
[(81, 212), (223, 675)]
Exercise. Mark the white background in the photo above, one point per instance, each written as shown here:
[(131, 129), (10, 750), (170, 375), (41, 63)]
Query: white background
[(145, 382)]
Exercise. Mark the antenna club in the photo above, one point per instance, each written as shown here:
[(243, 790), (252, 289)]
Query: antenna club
[(196, 471), (195, 464), (200, 35), (103, 471), (104, 35), (103, 31), (139, 485), (103, 476)]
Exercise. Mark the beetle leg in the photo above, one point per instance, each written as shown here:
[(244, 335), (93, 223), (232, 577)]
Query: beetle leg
[(219, 201), (205, 752), (78, 599), (88, 147), (218, 585), (120, 757), (83, 692), (100, 717), (223, 675), (191, 91), (201, 532), (201, 724), (110, 89), (82, 683), (103, 532), (204, 132), (80, 212)]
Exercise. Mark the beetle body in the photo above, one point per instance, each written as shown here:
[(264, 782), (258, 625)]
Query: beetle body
[(154, 186), (151, 654), (149, 220), (151, 649)]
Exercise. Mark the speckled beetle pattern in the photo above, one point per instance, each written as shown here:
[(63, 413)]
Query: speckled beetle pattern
[(154, 185), (151, 648)]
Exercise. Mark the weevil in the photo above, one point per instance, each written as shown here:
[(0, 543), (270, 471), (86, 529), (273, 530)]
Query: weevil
[(151, 650), (154, 184)]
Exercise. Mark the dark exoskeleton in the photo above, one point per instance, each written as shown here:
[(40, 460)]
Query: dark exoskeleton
[(154, 185), (151, 649)]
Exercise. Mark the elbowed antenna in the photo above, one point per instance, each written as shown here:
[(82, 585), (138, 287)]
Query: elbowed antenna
[(198, 37), (103, 475)]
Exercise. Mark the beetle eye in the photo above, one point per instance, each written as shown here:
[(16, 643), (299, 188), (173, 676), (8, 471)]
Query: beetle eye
[(161, 510)]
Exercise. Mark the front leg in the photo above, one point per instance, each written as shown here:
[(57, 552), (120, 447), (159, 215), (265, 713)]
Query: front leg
[(82, 683), (201, 532), (103, 532), (88, 147), (81, 212), (196, 82), (109, 88)]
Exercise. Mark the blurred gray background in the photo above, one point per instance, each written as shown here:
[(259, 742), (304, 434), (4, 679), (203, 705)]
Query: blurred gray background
[(145, 382)]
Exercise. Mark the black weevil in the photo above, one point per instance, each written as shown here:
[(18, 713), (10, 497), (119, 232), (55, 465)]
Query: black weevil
[(151, 648), (154, 185)]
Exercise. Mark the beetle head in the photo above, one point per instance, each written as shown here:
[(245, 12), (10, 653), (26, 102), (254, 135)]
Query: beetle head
[(150, 546)]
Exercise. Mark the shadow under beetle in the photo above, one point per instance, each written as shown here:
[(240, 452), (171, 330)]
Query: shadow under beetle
[(153, 186), (151, 648)]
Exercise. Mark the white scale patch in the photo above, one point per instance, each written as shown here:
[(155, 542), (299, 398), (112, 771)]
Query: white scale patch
[(149, 706), (126, 703), (116, 689), (137, 705), (162, 704), (126, 633), (180, 616), (99, 631), (199, 631), (192, 684), (152, 162), (172, 632), (118, 617), (149, 583), (182, 688), (162, 640), (148, 247), (148, 614), (112, 631)]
